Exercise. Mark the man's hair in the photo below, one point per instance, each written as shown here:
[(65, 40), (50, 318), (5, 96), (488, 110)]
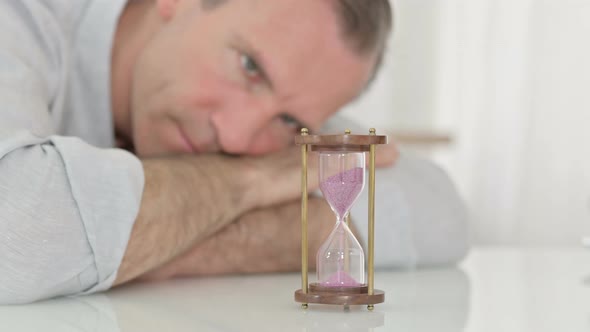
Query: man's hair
[(365, 24)]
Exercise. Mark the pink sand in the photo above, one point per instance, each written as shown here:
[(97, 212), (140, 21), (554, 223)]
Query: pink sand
[(342, 189), (341, 279)]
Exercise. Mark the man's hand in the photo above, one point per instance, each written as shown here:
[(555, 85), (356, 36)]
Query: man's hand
[(278, 176), (277, 172), (386, 155)]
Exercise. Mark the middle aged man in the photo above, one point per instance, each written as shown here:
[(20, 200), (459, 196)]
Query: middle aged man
[(225, 83)]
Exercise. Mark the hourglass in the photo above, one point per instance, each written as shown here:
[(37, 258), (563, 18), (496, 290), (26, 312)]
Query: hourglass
[(341, 277)]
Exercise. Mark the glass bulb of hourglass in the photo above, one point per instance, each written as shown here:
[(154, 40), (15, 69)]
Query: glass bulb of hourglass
[(341, 260)]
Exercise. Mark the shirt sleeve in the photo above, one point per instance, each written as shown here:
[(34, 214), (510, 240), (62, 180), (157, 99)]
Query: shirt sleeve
[(420, 219), (66, 208)]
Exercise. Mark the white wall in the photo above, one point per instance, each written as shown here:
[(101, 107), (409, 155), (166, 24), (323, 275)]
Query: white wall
[(510, 79), (555, 187), (403, 94)]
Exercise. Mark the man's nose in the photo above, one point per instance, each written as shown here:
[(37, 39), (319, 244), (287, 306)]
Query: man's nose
[(239, 124)]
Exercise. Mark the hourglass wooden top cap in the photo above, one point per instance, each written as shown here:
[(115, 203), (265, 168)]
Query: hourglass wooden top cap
[(346, 142)]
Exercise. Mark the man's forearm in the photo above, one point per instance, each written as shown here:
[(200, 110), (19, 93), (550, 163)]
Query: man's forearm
[(188, 199), (184, 200), (264, 240)]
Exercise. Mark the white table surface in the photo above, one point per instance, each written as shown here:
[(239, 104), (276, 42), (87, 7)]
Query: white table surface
[(495, 289)]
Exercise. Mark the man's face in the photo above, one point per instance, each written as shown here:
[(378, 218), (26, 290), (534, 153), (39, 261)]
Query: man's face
[(241, 78)]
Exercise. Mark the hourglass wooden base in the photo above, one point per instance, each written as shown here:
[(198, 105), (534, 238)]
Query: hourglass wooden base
[(339, 295)]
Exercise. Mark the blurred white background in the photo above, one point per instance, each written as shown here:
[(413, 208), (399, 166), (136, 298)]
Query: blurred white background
[(510, 81)]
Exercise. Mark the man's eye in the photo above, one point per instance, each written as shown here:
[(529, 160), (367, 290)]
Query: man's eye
[(290, 121), (250, 66)]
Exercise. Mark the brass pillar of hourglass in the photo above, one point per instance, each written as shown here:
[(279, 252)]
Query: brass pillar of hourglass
[(340, 260)]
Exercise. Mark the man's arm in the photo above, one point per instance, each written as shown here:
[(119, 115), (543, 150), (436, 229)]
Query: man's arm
[(263, 240), (188, 199), (184, 200), (420, 221)]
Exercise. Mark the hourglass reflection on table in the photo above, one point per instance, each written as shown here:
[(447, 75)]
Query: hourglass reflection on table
[(340, 260)]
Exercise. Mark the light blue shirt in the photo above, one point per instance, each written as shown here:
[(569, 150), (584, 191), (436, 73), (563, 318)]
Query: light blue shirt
[(68, 199)]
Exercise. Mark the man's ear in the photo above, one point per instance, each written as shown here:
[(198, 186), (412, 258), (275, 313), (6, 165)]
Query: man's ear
[(167, 8)]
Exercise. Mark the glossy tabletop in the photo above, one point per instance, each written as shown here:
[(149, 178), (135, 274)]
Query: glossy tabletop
[(494, 289)]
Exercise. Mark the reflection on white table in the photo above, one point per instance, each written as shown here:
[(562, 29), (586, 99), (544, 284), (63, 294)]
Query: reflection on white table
[(493, 290)]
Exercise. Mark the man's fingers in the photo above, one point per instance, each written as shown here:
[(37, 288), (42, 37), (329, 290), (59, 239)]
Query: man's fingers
[(386, 155)]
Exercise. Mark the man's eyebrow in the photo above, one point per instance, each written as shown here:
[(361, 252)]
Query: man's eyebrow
[(257, 57)]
